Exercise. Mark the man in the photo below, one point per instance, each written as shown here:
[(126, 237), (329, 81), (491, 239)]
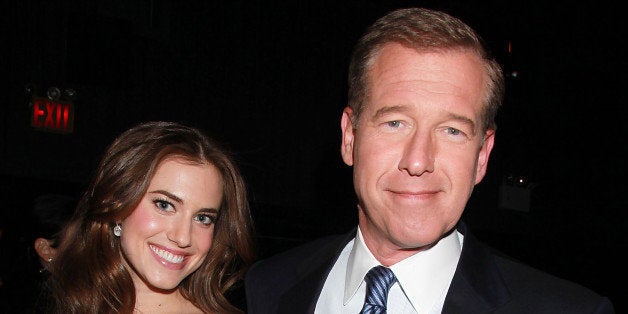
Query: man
[(418, 131)]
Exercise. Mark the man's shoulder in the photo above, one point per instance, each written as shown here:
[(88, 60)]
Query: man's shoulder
[(524, 278), (309, 253), (293, 277), (534, 288), (508, 285)]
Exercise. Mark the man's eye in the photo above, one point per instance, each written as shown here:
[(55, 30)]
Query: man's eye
[(394, 124), (205, 219), (453, 131)]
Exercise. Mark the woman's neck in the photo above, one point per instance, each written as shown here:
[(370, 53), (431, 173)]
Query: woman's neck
[(150, 301)]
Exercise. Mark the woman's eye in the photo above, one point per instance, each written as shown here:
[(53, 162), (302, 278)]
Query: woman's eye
[(205, 219), (164, 205)]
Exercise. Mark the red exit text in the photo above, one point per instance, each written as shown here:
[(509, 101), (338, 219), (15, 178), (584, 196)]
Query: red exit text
[(52, 116)]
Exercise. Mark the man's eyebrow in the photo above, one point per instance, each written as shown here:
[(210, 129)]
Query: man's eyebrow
[(168, 194), (463, 119), (387, 109)]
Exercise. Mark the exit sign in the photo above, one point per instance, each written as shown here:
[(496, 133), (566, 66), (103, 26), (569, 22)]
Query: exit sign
[(53, 116)]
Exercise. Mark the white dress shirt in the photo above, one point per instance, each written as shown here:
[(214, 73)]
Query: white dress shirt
[(422, 279)]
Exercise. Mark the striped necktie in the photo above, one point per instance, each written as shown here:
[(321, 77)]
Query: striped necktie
[(378, 281)]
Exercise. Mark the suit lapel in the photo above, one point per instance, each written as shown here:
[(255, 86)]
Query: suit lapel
[(311, 275), (477, 286)]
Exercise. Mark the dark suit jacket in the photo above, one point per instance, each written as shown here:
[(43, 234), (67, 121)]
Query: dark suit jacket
[(485, 281)]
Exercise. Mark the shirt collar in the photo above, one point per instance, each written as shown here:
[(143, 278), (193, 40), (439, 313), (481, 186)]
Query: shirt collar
[(361, 260), (436, 264)]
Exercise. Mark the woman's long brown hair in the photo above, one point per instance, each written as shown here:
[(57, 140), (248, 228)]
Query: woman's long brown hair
[(89, 276)]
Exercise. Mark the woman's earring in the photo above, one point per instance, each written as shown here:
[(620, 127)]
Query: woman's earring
[(117, 230), (44, 269)]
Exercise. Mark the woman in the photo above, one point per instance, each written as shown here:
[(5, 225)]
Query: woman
[(49, 214), (24, 290), (163, 227)]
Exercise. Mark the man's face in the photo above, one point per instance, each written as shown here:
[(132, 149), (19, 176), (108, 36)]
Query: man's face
[(417, 149)]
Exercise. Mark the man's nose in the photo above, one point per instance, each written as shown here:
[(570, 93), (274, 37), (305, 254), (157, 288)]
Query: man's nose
[(418, 154)]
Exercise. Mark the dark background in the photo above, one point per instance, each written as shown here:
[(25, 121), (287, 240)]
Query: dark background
[(268, 78)]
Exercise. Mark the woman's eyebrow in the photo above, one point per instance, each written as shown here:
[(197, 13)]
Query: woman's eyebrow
[(168, 194)]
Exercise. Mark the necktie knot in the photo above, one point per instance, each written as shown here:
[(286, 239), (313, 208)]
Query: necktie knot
[(378, 282)]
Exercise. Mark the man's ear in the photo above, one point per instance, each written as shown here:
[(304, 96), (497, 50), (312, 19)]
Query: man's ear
[(43, 248), (346, 125), (483, 156)]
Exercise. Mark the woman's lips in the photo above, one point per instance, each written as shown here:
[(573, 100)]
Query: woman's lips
[(167, 257)]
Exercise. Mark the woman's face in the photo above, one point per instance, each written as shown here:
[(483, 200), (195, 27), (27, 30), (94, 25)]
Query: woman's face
[(168, 235)]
